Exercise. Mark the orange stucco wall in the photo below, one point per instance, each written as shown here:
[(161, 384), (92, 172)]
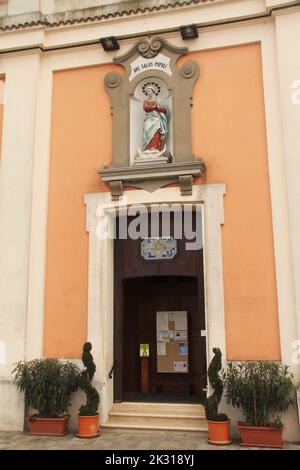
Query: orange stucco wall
[(228, 129), (80, 144)]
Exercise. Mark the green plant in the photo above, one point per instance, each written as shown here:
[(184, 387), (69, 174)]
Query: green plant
[(85, 383), (261, 389), (213, 401), (48, 385)]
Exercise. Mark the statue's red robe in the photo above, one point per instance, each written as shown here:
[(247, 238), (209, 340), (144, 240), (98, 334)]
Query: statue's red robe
[(155, 142)]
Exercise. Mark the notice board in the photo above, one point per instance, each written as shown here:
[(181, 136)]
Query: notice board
[(172, 342)]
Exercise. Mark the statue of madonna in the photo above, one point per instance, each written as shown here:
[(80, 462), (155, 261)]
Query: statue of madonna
[(155, 129)]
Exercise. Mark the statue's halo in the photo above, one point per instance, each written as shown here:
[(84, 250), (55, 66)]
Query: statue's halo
[(161, 89)]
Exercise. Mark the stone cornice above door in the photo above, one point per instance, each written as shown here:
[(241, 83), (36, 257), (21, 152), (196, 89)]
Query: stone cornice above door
[(153, 177)]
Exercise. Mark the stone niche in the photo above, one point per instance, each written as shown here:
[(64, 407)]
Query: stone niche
[(151, 118)]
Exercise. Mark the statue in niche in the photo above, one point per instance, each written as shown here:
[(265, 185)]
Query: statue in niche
[(157, 116)]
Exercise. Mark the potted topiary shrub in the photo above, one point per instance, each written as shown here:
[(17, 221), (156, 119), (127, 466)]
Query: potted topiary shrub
[(261, 389), (218, 423), (48, 385), (88, 416)]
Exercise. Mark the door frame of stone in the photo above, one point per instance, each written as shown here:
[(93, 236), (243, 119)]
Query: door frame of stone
[(100, 210)]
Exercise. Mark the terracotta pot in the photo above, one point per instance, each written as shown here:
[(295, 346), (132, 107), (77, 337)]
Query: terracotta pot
[(259, 436), (219, 432), (88, 426), (48, 426)]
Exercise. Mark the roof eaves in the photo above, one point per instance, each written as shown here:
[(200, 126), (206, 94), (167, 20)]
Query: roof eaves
[(119, 10)]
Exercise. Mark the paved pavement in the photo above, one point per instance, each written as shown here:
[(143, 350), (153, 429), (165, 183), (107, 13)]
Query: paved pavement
[(116, 441)]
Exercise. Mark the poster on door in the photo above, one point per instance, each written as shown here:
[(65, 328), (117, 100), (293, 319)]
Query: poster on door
[(172, 342)]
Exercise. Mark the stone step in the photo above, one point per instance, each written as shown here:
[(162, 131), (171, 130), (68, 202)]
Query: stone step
[(152, 429), (158, 414), (157, 417), (174, 408), (168, 419)]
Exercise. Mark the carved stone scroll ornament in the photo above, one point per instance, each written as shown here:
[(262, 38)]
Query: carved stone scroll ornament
[(189, 69), (113, 79), (151, 49)]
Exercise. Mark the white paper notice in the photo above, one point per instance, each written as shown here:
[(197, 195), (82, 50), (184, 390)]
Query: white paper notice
[(180, 366), (171, 335), (163, 336), (183, 349), (181, 321), (162, 321), (181, 335), (172, 316), (161, 348)]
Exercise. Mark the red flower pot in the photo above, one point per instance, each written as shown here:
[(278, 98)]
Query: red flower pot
[(219, 432), (88, 426), (260, 436), (48, 426)]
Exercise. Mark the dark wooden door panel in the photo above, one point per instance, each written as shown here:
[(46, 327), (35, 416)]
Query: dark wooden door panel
[(141, 288), (143, 298)]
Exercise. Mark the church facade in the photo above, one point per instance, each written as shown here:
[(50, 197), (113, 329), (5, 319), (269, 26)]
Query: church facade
[(112, 115)]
